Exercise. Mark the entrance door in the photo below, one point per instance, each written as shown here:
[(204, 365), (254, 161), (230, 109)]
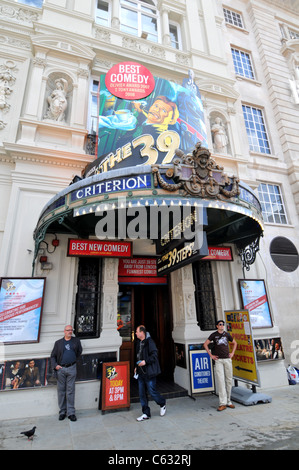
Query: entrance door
[(150, 307)]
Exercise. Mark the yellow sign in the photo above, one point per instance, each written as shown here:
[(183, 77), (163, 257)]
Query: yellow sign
[(244, 361)]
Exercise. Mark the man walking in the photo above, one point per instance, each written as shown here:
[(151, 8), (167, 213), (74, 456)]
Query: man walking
[(223, 363), (147, 369), (64, 356)]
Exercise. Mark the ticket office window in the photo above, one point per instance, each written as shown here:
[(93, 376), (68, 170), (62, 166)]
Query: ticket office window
[(88, 300)]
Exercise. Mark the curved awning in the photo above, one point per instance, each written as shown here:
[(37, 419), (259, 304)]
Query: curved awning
[(233, 211)]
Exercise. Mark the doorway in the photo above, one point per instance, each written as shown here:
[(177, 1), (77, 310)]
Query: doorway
[(147, 305)]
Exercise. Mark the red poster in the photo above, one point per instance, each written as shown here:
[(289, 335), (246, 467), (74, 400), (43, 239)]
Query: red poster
[(115, 385), (105, 248), (130, 81)]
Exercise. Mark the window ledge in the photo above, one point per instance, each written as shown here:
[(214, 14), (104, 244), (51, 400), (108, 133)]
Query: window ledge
[(250, 80), (260, 154), (232, 26)]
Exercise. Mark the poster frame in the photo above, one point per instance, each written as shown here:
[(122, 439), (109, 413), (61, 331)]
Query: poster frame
[(10, 278), (104, 401), (260, 282)]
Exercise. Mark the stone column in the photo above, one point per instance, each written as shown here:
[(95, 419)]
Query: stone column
[(109, 333)]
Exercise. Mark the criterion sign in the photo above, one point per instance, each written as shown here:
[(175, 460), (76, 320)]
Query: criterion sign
[(244, 360)]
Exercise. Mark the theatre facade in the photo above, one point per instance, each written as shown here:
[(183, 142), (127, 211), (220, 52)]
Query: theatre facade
[(159, 222)]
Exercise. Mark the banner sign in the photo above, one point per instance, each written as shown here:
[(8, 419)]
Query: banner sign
[(78, 247), (244, 360), (255, 299), (21, 304), (133, 131), (181, 255), (112, 186), (219, 253), (139, 271), (115, 390), (201, 370)]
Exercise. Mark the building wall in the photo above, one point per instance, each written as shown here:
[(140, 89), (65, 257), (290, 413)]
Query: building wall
[(39, 156)]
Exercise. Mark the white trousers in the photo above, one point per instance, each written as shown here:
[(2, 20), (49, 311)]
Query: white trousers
[(224, 377)]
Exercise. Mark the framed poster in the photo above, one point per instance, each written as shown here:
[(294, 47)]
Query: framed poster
[(255, 300), (268, 349), (115, 390), (201, 372), (21, 306)]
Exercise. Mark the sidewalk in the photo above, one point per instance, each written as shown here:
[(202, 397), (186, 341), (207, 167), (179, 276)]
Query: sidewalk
[(188, 425)]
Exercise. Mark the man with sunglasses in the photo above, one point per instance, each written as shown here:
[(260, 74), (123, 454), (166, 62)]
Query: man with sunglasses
[(223, 363)]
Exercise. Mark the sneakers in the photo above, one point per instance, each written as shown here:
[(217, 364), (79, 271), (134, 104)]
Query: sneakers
[(143, 417), (162, 410)]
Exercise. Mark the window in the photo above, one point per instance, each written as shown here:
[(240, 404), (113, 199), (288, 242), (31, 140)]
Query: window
[(93, 108), (139, 18), (175, 41), (103, 13), (293, 34), (204, 295), (233, 18), (32, 3), (272, 204), (284, 254), (88, 302), (256, 130), (242, 63)]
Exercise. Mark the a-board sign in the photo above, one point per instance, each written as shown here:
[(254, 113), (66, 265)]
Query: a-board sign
[(244, 360), (201, 371), (115, 385)]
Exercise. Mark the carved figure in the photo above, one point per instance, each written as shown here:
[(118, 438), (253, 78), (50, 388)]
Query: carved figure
[(57, 101), (220, 139)]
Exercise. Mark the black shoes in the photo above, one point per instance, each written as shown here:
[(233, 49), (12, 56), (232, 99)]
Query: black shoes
[(72, 418), (63, 416)]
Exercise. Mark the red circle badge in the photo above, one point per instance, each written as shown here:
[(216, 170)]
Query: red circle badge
[(130, 81)]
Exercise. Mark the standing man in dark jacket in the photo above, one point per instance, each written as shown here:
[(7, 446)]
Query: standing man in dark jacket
[(64, 356), (147, 369)]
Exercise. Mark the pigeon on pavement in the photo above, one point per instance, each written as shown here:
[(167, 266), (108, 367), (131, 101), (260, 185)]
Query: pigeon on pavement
[(30, 433)]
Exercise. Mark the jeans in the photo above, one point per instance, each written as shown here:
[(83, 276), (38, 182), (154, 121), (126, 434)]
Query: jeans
[(149, 385)]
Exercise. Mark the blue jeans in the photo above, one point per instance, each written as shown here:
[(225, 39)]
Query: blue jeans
[(149, 385)]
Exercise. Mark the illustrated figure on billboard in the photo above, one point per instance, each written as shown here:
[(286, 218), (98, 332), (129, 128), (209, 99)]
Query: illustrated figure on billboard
[(162, 113)]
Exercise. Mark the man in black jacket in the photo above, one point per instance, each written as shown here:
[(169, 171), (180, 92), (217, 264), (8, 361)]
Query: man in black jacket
[(147, 369), (64, 356)]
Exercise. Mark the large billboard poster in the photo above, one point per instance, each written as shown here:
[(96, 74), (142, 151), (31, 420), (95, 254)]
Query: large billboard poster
[(146, 131)]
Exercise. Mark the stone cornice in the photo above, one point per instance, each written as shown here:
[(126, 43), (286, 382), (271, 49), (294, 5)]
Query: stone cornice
[(44, 156)]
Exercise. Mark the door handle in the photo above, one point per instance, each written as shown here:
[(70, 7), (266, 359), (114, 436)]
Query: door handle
[(132, 336)]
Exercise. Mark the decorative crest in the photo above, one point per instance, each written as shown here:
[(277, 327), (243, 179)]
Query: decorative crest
[(199, 175)]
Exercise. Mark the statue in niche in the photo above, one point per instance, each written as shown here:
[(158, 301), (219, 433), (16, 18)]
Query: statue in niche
[(57, 101), (220, 139), (294, 84)]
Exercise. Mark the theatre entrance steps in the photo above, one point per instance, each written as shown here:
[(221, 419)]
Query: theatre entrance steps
[(168, 389)]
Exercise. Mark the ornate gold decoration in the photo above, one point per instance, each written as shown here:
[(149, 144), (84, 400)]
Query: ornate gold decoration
[(199, 175)]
